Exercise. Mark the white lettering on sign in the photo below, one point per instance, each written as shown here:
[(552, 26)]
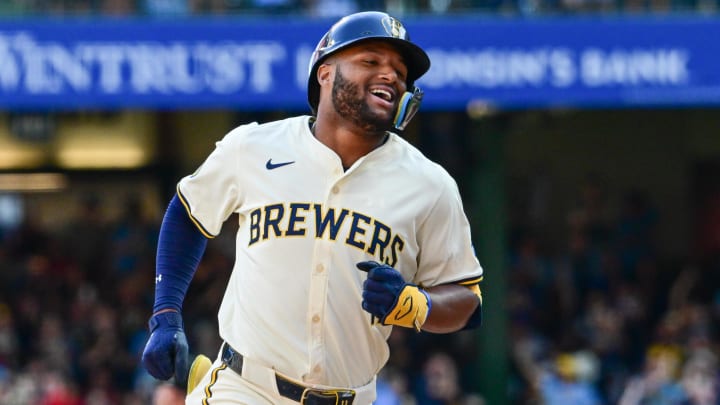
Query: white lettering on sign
[(9, 67), (557, 67), (138, 67), (40, 67), (491, 68), (109, 59), (634, 67)]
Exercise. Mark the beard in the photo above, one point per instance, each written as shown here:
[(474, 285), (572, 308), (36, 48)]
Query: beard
[(351, 105)]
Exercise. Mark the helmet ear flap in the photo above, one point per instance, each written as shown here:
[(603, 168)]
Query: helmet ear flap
[(407, 108)]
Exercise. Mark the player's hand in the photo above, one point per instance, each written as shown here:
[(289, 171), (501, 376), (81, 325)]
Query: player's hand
[(388, 297), (166, 352)]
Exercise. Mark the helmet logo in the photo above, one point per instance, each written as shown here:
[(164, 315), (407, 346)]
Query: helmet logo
[(327, 41), (393, 27)]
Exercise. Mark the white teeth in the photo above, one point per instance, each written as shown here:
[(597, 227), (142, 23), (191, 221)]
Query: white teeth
[(382, 93)]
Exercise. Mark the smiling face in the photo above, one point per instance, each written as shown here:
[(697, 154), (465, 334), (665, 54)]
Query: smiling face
[(369, 80)]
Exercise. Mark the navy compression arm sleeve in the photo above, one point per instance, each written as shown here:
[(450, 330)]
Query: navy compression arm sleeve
[(180, 248)]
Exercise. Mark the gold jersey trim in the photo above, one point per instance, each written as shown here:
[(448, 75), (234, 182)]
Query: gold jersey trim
[(197, 223)]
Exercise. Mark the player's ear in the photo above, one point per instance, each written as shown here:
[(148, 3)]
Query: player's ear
[(324, 73)]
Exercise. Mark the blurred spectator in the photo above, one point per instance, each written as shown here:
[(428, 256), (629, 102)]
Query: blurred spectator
[(558, 379), (168, 394), (658, 383), (53, 345), (601, 325), (166, 8), (394, 388), (571, 382), (101, 388), (331, 8), (58, 390), (118, 8), (274, 6), (215, 7), (588, 5), (439, 383), (25, 386), (386, 392), (701, 378)]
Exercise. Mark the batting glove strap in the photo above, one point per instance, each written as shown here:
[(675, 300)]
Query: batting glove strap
[(410, 309), (166, 320)]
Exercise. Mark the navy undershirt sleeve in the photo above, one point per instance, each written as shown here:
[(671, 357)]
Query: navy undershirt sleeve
[(475, 319), (180, 247)]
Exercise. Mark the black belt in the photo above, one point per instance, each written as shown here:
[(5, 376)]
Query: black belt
[(288, 389)]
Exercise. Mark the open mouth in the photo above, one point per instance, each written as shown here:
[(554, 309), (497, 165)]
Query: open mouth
[(383, 94)]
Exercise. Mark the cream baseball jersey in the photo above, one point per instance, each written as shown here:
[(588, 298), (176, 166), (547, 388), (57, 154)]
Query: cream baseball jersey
[(293, 301)]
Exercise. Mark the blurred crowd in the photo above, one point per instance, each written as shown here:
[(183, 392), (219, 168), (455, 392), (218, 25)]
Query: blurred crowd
[(606, 319), (337, 8), (609, 318)]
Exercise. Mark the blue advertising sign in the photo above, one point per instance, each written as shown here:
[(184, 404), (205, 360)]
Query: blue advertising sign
[(254, 63)]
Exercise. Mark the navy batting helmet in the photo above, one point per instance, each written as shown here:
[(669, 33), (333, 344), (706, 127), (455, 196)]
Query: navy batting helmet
[(364, 26)]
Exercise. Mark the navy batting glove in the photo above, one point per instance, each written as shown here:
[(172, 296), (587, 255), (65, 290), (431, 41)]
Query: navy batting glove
[(166, 352), (381, 288), (388, 297)]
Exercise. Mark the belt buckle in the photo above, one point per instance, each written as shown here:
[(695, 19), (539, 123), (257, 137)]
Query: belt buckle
[(338, 396)]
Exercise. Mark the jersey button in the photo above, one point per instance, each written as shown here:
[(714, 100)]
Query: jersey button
[(335, 189), (320, 268), (317, 369), (316, 318)]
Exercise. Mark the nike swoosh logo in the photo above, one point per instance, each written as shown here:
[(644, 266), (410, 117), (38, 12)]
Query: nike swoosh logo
[(270, 165)]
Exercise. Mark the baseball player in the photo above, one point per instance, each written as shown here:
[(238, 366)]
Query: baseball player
[(345, 231)]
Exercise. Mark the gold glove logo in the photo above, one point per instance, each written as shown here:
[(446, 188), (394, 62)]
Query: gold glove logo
[(407, 305), (411, 309)]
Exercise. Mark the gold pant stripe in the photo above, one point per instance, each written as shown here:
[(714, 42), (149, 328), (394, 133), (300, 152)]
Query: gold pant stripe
[(213, 380)]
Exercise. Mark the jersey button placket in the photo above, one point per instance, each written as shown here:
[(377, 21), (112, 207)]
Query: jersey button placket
[(318, 297), (323, 251), (318, 290)]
